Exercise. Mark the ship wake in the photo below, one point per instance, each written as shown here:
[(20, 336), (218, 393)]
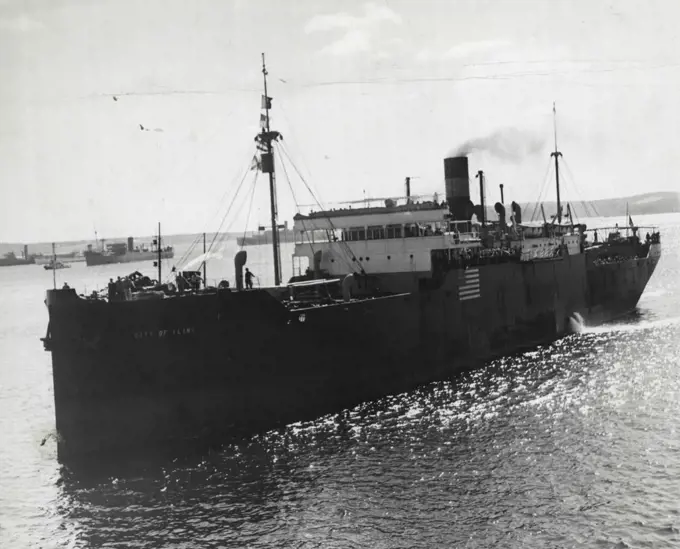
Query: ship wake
[(578, 326)]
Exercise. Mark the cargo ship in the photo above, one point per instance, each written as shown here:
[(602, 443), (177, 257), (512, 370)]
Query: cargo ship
[(126, 252), (10, 259), (263, 236), (383, 299)]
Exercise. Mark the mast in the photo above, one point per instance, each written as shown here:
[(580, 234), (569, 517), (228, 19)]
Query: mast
[(54, 267), (480, 174), (265, 139), (557, 154), (159, 253), (205, 280)]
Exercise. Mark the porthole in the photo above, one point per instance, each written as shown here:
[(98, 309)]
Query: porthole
[(368, 259), (389, 257)]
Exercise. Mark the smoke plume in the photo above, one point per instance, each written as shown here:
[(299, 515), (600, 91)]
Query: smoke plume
[(510, 144)]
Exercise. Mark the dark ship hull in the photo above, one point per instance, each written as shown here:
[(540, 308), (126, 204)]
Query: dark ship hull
[(13, 262), (264, 239), (200, 368), (99, 258)]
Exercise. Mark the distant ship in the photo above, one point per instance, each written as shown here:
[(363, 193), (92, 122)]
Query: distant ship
[(264, 236), (383, 299), (10, 259), (56, 265), (121, 252)]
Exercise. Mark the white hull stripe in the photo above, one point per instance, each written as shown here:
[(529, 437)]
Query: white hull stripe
[(471, 291), (470, 286)]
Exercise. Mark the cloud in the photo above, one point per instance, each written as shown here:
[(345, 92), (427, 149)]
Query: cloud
[(354, 41), (467, 49), (22, 23), (359, 30)]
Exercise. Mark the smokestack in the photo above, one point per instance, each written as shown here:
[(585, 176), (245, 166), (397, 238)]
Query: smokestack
[(502, 197), (457, 180), (131, 243), (408, 190), (25, 251)]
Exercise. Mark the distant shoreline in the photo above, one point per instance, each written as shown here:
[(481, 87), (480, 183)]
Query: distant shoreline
[(642, 204)]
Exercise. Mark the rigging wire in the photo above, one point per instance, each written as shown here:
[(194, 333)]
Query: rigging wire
[(250, 208), (583, 202), (223, 236), (297, 204), (217, 233), (619, 65), (221, 202), (343, 245), (347, 257), (290, 129), (544, 186), (506, 76)]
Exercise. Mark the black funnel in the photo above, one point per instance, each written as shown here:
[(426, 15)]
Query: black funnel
[(457, 180)]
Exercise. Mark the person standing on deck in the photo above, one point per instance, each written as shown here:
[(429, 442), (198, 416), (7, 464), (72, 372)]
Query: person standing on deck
[(249, 279)]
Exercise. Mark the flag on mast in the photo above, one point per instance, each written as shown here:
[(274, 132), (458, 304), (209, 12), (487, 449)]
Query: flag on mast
[(256, 164), (263, 121), (266, 102)]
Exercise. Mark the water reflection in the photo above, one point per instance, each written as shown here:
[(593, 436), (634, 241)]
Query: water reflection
[(531, 450)]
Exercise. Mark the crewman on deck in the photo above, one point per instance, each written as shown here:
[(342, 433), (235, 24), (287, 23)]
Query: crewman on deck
[(127, 287), (120, 289), (249, 279), (112, 290)]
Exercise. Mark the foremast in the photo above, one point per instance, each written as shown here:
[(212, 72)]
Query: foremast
[(556, 154), (265, 139)]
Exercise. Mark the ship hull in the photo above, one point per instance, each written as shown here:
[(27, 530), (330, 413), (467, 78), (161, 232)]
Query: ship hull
[(199, 369), (97, 258), (15, 262)]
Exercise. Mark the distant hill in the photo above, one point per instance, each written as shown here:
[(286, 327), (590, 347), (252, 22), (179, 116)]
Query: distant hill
[(640, 204)]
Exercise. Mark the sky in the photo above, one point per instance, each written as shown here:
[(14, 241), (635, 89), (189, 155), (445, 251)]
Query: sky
[(364, 94)]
